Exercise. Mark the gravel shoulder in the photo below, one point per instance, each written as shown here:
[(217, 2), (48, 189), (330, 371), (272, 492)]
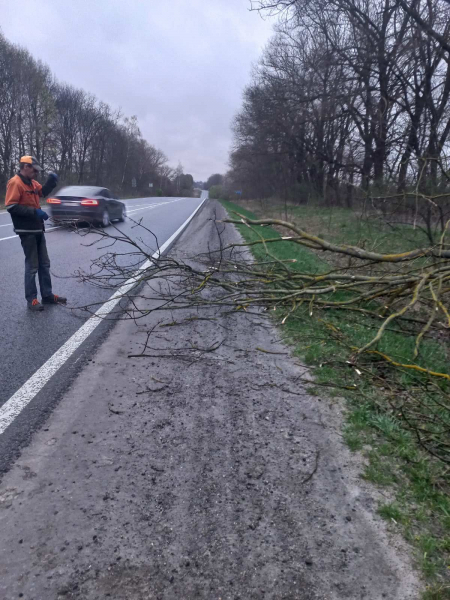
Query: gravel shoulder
[(218, 477)]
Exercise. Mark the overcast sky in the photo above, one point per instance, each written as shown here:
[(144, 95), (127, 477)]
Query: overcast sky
[(179, 65)]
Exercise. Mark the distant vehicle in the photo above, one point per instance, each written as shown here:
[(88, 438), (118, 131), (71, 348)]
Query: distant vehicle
[(96, 205)]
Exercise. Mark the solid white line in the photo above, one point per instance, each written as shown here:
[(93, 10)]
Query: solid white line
[(14, 406), (16, 236), (7, 225)]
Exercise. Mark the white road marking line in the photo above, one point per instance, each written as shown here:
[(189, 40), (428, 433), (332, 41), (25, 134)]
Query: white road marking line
[(7, 225), (11, 237), (16, 236), (145, 207), (131, 211), (18, 401), (138, 205), (152, 206), (127, 202)]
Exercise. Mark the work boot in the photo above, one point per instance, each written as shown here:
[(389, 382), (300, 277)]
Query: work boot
[(35, 305), (54, 299)]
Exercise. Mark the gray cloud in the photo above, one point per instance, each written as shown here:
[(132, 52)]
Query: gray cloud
[(180, 66)]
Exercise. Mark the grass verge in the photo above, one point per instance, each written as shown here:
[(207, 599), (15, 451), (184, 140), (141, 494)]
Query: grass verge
[(377, 394)]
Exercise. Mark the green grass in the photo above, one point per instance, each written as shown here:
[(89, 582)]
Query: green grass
[(391, 512), (374, 425), (357, 330), (342, 225), (437, 592)]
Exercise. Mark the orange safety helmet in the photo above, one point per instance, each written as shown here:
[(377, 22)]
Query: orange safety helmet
[(30, 160)]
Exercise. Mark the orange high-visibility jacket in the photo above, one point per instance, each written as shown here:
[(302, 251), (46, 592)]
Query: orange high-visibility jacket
[(22, 200)]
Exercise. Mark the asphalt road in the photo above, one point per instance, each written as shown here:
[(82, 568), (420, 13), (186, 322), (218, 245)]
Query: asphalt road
[(28, 340)]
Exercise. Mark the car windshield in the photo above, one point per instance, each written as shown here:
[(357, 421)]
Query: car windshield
[(80, 190)]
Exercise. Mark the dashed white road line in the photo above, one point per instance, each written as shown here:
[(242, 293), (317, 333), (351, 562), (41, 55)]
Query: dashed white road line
[(11, 237), (14, 406), (16, 236), (153, 206)]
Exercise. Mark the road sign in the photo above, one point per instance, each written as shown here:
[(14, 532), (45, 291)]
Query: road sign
[(133, 182), (238, 192), (150, 185)]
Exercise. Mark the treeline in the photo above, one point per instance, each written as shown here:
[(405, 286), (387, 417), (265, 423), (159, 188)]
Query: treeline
[(71, 132), (350, 99)]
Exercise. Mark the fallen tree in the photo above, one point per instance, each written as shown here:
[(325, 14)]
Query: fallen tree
[(406, 292)]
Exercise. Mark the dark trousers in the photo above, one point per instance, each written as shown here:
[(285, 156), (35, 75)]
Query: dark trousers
[(36, 261)]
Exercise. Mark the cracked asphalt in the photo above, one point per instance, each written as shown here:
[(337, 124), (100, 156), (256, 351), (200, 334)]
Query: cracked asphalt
[(218, 478)]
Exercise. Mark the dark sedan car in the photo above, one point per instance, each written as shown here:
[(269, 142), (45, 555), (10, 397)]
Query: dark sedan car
[(88, 204)]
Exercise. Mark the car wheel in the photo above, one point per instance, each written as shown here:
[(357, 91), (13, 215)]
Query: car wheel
[(123, 214), (105, 219)]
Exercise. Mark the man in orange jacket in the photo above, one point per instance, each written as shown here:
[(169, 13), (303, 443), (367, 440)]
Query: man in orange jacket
[(22, 203)]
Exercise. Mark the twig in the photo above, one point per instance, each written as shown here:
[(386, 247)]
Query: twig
[(314, 471), (269, 352)]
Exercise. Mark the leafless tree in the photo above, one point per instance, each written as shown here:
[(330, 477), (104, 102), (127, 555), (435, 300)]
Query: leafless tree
[(350, 101), (71, 132)]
